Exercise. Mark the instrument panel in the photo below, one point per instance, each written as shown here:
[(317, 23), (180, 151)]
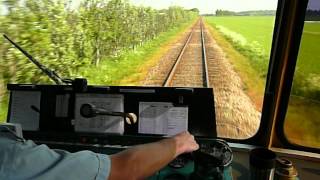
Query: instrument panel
[(57, 108)]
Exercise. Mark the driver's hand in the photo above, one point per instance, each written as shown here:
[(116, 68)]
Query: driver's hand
[(185, 143)]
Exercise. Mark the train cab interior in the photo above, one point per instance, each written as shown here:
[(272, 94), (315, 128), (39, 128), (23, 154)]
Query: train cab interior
[(81, 112)]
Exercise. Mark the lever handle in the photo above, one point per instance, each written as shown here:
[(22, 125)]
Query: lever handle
[(89, 111)]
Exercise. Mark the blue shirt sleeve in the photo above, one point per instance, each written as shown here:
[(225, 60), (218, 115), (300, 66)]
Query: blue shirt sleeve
[(26, 160)]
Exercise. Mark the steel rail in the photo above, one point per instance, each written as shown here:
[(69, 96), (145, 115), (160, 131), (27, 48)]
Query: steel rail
[(169, 78), (206, 82), (172, 72)]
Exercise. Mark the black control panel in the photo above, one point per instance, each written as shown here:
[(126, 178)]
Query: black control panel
[(55, 110)]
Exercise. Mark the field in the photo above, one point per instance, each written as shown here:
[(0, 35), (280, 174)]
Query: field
[(257, 29), (252, 37), (309, 55)]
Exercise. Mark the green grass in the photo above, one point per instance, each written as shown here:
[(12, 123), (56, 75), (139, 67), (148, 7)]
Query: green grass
[(309, 56), (257, 29), (307, 74)]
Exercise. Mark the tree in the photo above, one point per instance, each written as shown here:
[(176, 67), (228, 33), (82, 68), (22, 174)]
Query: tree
[(66, 40)]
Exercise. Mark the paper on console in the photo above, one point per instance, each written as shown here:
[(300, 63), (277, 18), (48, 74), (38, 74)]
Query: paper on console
[(162, 118)]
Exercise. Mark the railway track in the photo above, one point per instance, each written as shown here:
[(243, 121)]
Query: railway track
[(196, 60), (190, 68)]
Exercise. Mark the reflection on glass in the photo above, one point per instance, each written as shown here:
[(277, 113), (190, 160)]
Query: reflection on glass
[(136, 42), (303, 116)]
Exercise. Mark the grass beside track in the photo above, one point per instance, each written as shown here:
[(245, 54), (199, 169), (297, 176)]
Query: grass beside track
[(309, 56)]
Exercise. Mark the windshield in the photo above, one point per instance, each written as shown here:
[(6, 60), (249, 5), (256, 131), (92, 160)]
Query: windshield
[(221, 44)]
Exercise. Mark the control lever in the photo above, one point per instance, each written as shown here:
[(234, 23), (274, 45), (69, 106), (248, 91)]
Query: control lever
[(90, 110)]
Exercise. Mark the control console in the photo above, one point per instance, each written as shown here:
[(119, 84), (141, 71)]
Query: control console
[(109, 119)]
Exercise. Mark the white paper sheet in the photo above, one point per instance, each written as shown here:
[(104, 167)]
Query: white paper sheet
[(100, 124), (162, 118), (21, 111)]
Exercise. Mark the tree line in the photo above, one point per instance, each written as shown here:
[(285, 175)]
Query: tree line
[(65, 38), (220, 12), (313, 15)]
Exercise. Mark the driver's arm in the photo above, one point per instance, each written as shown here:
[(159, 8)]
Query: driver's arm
[(142, 161)]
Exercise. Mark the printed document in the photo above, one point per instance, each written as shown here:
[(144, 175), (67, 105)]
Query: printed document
[(162, 118)]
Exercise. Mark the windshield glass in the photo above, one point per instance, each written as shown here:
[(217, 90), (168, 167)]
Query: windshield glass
[(222, 44)]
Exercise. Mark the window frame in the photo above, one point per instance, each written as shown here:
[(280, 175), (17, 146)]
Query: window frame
[(287, 35), (288, 71)]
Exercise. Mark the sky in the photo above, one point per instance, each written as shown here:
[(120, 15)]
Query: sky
[(210, 6), (314, 4)]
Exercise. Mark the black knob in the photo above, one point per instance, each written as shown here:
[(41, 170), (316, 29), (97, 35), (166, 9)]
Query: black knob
[(88, 110)]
